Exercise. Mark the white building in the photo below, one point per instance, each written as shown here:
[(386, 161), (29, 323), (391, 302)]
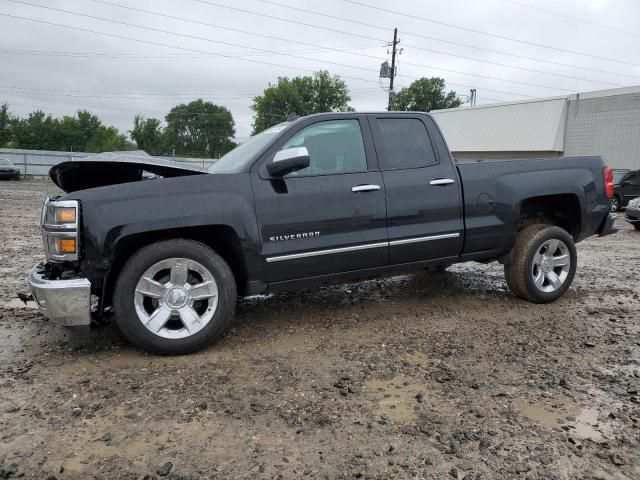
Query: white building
[(603, 123)]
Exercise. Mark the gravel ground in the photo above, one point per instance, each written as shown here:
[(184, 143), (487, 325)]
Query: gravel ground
[(441, 376)]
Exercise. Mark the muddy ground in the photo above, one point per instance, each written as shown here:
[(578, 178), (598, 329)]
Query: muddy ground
[(439, 376)]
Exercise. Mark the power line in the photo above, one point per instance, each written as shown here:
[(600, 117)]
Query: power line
[(496, 78), (122, 97), (54, 53), (466, 45), (430, 50), (150, 42), (214, 41), (178, 34), (213, 25), (577, 19), (320, 48), (143, 95), (197, 22), (480, 32)]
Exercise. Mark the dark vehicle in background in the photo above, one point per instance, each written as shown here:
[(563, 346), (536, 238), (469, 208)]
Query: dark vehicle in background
[(632, 215), (323, 199), (627, 187), (8, 170)]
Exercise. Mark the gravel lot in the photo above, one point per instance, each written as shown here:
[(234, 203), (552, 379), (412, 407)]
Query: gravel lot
[(441, 376)]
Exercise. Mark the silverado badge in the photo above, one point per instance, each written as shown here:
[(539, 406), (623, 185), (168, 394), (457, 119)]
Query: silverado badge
[(293, 236)]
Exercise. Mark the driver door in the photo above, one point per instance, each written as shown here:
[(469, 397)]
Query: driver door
[(329, 217)]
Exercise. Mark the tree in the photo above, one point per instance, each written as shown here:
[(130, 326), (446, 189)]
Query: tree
[(38, 131), (83, 132), (200, 128), (148, 135), (108, 139), (424, 95), (5, 125), (305, 95)]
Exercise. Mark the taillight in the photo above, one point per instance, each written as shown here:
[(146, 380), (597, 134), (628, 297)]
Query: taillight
[(608, 182)]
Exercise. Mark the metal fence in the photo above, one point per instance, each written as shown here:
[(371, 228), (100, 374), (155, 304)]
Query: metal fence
[(36, 163)]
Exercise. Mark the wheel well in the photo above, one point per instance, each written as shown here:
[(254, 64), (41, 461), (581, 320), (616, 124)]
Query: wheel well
[(221, 238), (562, 210)]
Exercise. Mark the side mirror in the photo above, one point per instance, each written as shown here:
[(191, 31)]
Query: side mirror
[(289, 160)]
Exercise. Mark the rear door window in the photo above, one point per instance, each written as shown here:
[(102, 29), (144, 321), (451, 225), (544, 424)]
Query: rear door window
[(406, 143)]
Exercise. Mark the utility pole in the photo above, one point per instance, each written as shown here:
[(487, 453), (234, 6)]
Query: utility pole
[(393, 68)]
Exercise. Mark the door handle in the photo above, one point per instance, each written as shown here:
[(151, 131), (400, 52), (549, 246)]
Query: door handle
[(442, 181), (365, 188)]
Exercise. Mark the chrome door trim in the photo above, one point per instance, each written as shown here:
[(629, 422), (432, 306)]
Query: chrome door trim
[(330, 251), (365, 188), (442, 181), (354, 248), (424, 239)]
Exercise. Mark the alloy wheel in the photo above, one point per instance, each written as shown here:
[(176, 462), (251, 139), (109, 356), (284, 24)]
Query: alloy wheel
[(176, 298)]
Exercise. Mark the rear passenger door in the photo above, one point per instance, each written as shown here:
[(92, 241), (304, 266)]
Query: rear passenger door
[(423, 194)]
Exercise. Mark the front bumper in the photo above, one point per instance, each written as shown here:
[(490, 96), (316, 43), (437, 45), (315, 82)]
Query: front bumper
[(632, 215), (66, 302), (607, 225)]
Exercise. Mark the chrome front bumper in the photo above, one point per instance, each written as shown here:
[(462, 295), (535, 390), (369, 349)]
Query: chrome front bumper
[(66, 302)]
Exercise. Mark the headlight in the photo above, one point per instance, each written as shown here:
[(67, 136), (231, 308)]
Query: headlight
[(60, 229), (635, 203)]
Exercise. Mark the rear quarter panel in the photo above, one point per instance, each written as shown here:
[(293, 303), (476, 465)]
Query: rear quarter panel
[(494, 193)]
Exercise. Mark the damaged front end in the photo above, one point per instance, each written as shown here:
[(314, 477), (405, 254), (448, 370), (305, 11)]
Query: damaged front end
[(61, 297), (111, 168), (59, 286), (59, 290)]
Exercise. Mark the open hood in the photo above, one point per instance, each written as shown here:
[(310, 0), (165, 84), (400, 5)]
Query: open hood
[(111, 168)]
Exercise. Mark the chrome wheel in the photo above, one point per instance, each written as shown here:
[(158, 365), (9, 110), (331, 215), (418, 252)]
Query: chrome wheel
[(551, 266), (176, 298)]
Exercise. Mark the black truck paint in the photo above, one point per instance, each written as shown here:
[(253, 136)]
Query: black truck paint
[(416, 209)]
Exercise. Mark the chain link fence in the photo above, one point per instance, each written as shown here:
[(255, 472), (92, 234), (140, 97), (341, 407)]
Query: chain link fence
[(36, 163)]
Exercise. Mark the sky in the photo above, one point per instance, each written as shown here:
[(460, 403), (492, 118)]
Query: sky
[(144, 59)]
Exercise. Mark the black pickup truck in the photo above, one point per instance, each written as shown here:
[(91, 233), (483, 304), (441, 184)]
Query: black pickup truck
[(322, 199)]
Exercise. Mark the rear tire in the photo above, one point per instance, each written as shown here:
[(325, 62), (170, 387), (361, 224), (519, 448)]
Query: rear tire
[(637, 226), (174, 297), (543, 264)]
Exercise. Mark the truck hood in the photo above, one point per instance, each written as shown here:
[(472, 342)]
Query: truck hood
[(111, 168)]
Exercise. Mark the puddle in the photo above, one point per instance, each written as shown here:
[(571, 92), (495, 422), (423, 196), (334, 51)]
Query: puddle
[(584, 422), (395, 400), (588, 426), (544, 415)]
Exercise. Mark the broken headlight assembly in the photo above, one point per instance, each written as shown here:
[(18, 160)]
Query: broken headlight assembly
[(60, 222)]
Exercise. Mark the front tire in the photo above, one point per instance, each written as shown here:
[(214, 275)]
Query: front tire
[(174, 297), (543, 264)]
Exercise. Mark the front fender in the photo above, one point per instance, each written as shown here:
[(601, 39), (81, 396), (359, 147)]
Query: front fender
[(114, 213)]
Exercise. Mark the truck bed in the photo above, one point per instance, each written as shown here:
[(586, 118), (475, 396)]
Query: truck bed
[(493, 192)]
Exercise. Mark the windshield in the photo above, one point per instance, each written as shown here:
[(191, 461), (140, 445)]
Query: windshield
[(238, 158), (618, 176), (4, 162)]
